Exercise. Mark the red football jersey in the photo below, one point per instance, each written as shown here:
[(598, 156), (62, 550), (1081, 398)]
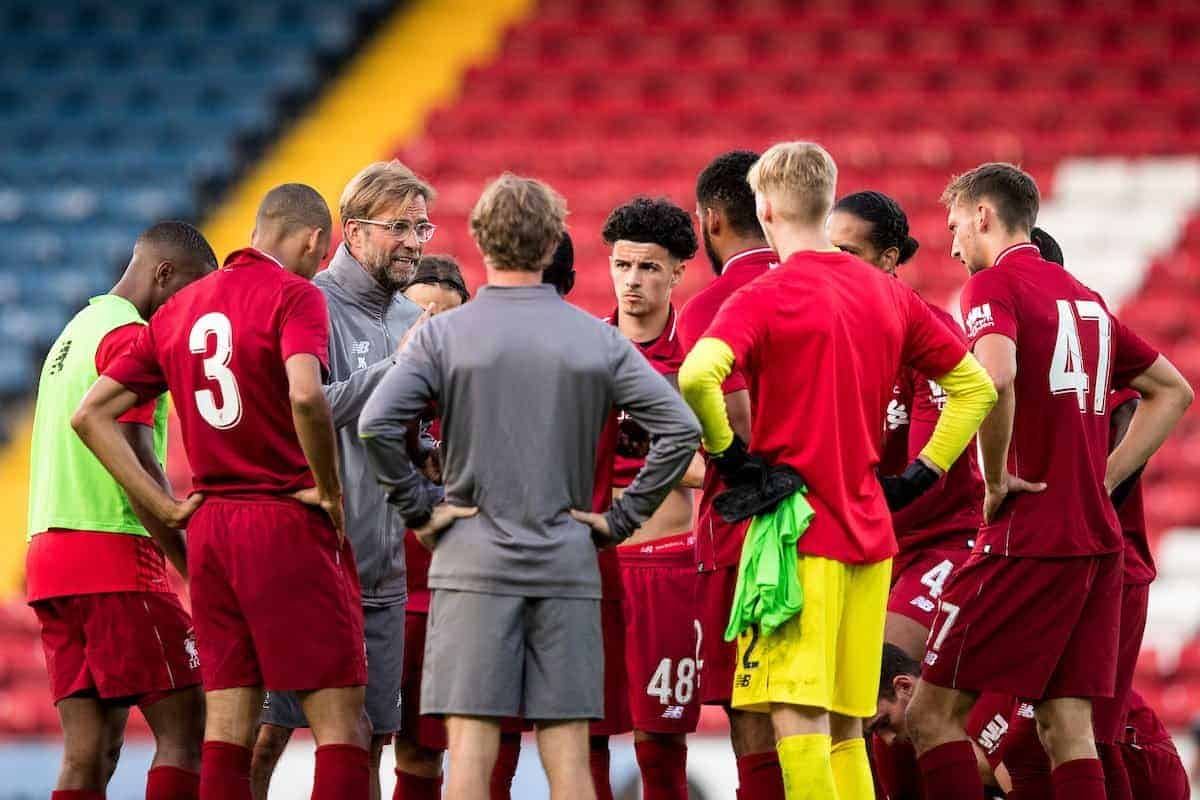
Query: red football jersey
[(719, 544), (948, 514), (219, 346), (1070, 350), (665, 354), (115, 344), (821, 340), (1139, 561)]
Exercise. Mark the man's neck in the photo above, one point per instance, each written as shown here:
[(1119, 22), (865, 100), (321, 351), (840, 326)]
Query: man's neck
[(512, 277), (646, 327), (1002, 243), (139, 297), (792, 240), (740, 245)]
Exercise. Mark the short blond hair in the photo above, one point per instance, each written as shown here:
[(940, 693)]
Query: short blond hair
[(518, 222), (800, 178), (381, 184)]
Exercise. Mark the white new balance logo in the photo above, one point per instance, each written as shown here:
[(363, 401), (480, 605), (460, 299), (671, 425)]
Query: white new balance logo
[(978, 318), (673, 712)]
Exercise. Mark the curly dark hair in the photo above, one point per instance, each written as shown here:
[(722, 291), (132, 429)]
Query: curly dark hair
[(723, 185), (889, 223), (653, 221)]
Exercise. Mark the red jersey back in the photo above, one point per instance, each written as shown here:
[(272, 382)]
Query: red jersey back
[(1070, 350), (719, 544), (219, 346), (665, 354), (821, 340), (951, 511)]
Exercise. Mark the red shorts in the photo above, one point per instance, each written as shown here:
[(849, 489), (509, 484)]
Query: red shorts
[(617, 719), (1155, 770), (1035, 628), (429, 732), (718, 658), (918, 579), (1108, 714), (276, 602), (135, 647), (662, 636)]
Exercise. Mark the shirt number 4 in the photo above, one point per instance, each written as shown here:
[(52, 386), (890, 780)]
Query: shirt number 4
[(1067, 370), (228, 412)]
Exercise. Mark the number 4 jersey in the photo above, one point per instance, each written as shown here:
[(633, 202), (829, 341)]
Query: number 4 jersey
[(219, 346), (1070, 351)]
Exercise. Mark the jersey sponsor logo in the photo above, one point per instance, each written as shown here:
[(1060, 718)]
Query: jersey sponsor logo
[(931, 657), (938, 394), (993, 732), (1025, 710), (923, 603), (980, 317), (189, 647), (897, 415)]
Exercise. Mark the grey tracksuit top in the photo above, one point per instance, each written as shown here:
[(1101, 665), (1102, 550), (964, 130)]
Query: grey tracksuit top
[(365, 325), (523, 382)]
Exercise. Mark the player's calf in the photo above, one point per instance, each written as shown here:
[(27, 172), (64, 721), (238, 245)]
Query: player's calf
[(268, 749), (92, 738), (564, 747), (177, 721), (1065, 727), (662, 760)]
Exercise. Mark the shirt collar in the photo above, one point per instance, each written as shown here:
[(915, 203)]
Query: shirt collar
[(1006, 252), (751, 253), (668, 333), (350, 274)]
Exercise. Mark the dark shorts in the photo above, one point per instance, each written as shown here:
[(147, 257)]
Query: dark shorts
[(714, 602), (276, 602), (1108, 714), (133, 647), (1155, 770), (386, 651), (918, 580), (662, 637), (492, 655), (1035, 628), (617, 716)]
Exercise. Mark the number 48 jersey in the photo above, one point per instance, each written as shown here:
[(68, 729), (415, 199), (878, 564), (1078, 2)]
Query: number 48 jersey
[(219, 346), (1070, 352)]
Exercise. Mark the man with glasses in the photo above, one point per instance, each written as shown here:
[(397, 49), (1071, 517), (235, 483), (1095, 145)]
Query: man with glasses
[(385, 225)]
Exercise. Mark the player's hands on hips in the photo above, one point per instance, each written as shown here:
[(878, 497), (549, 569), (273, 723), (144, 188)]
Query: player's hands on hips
[(442, 517), (996, 493), (330, 505), (601, 535), (181, 511)]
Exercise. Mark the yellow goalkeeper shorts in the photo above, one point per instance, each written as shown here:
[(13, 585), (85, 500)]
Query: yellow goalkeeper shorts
[(827, 656)]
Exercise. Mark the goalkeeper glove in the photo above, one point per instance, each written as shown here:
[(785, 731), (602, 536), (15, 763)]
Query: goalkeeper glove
[(901, 490)]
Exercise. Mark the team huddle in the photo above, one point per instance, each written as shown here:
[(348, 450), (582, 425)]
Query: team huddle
[(908, 560)]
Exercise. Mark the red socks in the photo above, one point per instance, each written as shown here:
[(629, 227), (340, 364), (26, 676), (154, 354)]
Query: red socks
[(664, 769), (343, 773), (415, 787), (949, 772), (598, 759), (895, 769), (172, 783), (1081, 779), (506, 767), (759, 777), (76, 794), (1026, 760), (1116, 779), (224, 772)]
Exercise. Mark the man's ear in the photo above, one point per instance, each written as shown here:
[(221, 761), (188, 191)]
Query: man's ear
[(712, 221), (890, 260), (677, 272), (983, 218), (163, 272), (903, 685), (314, 240)]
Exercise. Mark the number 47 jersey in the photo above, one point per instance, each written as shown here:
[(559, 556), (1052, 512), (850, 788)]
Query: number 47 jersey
[(1070, 352), (219, 346)]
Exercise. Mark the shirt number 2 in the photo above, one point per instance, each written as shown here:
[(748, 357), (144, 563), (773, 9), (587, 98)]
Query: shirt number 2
[(216, 368)]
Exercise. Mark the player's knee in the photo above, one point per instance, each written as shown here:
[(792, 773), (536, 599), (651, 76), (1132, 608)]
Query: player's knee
[(843, 728), (750, 733), (85, 770), (414, 759)]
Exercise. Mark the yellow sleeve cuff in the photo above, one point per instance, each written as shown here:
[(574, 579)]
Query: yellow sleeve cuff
[(700, 379), (970, 395)]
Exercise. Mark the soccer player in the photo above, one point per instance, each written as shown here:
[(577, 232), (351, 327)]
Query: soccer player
[(819, 401), (738, 252), (936, 531), (275, 593), (114, 633), (385, 225), (1035, 611), (523, 383), (1154, 766), (651, 242)]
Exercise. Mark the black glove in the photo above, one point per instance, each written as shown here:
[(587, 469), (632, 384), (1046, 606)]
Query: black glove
[(737, 467), (747, 500), (902, 489)]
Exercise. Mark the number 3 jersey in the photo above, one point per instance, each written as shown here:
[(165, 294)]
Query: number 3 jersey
[(1070, 351), (219, 346)]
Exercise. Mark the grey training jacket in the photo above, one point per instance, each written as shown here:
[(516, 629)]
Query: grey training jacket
[(523, 382), (366, 323)]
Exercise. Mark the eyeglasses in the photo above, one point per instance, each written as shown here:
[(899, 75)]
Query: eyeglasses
[(401, 228)]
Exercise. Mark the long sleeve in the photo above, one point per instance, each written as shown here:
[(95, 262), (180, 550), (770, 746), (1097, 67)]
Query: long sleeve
[(403, 393), (347, 398), (700, 379), (674, 437), (970, 395)]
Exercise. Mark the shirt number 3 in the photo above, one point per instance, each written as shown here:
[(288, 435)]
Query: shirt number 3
[(228, 413)]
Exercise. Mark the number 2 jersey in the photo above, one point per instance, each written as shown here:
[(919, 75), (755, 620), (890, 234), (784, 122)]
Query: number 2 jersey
[(219, 346), (1070, 351)]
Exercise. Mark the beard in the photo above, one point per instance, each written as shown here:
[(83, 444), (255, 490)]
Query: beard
[(717, 264), (393, 276)]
